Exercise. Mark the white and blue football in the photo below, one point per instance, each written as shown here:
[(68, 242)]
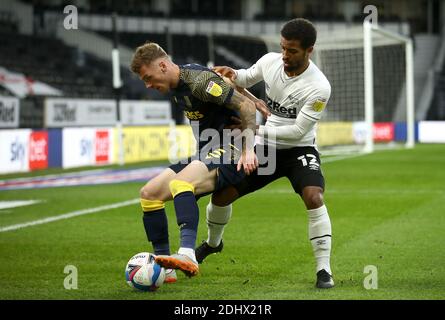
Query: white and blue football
[(143, 273)]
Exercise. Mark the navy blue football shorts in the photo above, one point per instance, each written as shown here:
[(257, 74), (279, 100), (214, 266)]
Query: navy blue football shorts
[(224, 160)]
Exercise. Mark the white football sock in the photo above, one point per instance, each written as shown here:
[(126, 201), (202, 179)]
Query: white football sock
[(320, 233), (189, 252), (217, 218)]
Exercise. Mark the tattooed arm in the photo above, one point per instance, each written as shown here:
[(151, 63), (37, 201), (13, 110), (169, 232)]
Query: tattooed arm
[(260, 105), (247, 111), (246, 108)]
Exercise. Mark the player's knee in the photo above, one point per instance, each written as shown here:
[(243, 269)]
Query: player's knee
[(225, 197), (178, 186), (313, 199), (219, 200), (196, 163), (142, 193), (151, 199), (149, 193)]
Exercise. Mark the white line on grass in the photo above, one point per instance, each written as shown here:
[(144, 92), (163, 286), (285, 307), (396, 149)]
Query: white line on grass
[(343, 157), (17, 203), (69, 215), (112, 206), (372, 192)]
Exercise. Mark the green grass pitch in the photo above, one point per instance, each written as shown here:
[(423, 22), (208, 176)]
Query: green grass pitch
[(387, 210)]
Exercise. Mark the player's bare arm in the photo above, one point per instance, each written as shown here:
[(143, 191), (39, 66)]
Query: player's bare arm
[(247, 110), (260, 105)]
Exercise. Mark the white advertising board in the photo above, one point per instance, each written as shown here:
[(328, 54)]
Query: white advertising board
[(84, 112), (432, 131), (9, 112), (145, 112), (87, 147), (79, 112), (14, 150)]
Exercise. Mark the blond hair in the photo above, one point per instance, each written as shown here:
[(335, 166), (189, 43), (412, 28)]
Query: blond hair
[(146, 54)]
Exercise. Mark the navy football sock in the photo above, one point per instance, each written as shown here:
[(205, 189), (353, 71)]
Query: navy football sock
[(187, 215), (156, 228)]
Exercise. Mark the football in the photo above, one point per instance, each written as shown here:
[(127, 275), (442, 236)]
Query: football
[(143, 273)]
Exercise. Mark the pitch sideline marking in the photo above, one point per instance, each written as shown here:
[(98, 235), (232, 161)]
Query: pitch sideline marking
[(107, 207), (341, 157), (69, 215), (17, 203), (362, 192)]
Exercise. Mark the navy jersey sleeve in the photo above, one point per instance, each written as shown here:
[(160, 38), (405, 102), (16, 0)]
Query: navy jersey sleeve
[(209, 87)]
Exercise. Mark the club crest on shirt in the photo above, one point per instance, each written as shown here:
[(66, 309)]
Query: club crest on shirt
[(291, 97), (319, 105), (214, 89)]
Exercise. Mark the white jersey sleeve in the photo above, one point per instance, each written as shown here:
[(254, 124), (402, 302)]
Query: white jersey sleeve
[(289, 132), (246, 78)]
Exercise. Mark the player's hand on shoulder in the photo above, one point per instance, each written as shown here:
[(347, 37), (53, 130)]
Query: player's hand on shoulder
[(230, 82), (248, 162), (225, 71)]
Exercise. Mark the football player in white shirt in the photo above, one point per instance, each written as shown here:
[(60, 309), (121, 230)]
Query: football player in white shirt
[(297, 93)]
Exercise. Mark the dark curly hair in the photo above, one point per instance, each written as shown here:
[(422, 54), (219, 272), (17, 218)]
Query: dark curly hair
[(300, 29)]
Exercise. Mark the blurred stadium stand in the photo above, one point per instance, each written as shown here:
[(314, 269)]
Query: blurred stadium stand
[(78, 73), (8, 22), (49, 60), (437, 109), (186, 48)]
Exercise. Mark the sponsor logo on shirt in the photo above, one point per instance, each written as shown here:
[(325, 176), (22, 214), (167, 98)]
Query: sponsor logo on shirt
[(281, 111), (193, 115)]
